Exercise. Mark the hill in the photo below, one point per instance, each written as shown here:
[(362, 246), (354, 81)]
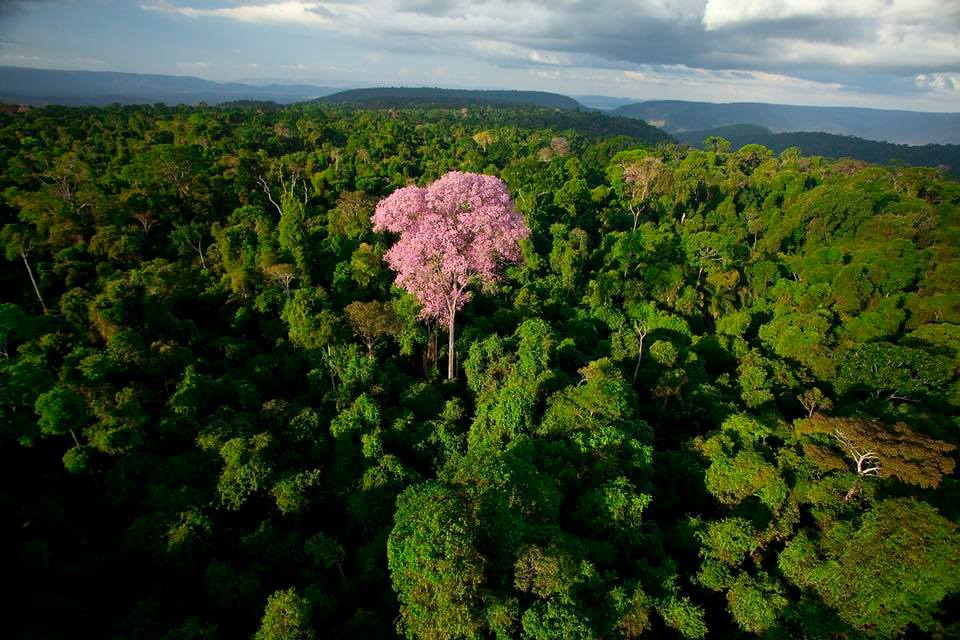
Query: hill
[(829, 145), (603, 103), (41, 87), (523, 109), (902, 127), (592, 124), (383, 97)]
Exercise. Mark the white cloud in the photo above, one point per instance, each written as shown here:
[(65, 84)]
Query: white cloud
[(718, 14), (285, 12), (194, 66), (938, 81), (874, 34), (507, 51)]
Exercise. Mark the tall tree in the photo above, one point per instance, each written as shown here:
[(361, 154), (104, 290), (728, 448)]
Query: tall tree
[(460, 229), (371, 321), (18, 243)]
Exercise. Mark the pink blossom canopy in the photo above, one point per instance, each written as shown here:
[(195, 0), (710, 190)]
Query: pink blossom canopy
[(461, 227)]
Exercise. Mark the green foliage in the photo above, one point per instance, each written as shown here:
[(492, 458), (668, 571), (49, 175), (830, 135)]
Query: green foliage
[(684, 616), (436, 570), (739, 464), (372, 320), (729, 540), (292, 234), (603, 395), (60, 411), (883, 368), (889, 572), (286, 617), (818, 143), (246, 470), (755, 606), (716, 398)]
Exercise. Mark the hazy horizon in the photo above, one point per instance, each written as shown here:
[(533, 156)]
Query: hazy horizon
[(865, 53), (265, 82)]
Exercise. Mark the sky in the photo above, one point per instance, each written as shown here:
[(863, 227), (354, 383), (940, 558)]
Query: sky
[(902, 54)]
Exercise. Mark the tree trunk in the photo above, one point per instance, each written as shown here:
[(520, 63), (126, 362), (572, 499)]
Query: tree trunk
[(333, 379), (425, 360), (636, 369), (852, 492), (32, 280), (450, 355)]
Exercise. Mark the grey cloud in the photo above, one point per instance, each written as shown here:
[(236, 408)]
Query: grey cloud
[(427, 7), (9, 8), (674, 33), (755, 46), (858, 43)]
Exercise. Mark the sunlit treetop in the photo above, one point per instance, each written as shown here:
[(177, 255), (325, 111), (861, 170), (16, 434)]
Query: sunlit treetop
[(462, 227)]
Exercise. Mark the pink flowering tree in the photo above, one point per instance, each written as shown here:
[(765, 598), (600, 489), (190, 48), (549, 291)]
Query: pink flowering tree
[(461, 229)]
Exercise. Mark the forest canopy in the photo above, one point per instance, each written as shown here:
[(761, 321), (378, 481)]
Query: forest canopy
[(715, 395), (945, 157)]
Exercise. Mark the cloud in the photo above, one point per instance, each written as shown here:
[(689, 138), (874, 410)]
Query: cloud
[(728, 78), (880, 45), (87, 62), (194, 66), (286, 12), (12, 7), (26, 60), (512, 54), (938, 81), (719, 14)]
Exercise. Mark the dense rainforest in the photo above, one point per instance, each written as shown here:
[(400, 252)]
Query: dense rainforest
[(390, 97), (716, 396), (943, 156)]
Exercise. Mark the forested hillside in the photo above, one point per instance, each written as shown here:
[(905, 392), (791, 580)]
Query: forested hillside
[(475, 113), (943, 156), (901, 127), (416, 96), (714, 394), (53, 86)]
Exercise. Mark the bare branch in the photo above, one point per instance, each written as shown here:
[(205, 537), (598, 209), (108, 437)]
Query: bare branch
[(266, 190)]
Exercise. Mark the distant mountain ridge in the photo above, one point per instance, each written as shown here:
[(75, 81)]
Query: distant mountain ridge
[(602, 103), (525, 109), (903, 127), (385, 97), (832, 146), (40, 87)]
